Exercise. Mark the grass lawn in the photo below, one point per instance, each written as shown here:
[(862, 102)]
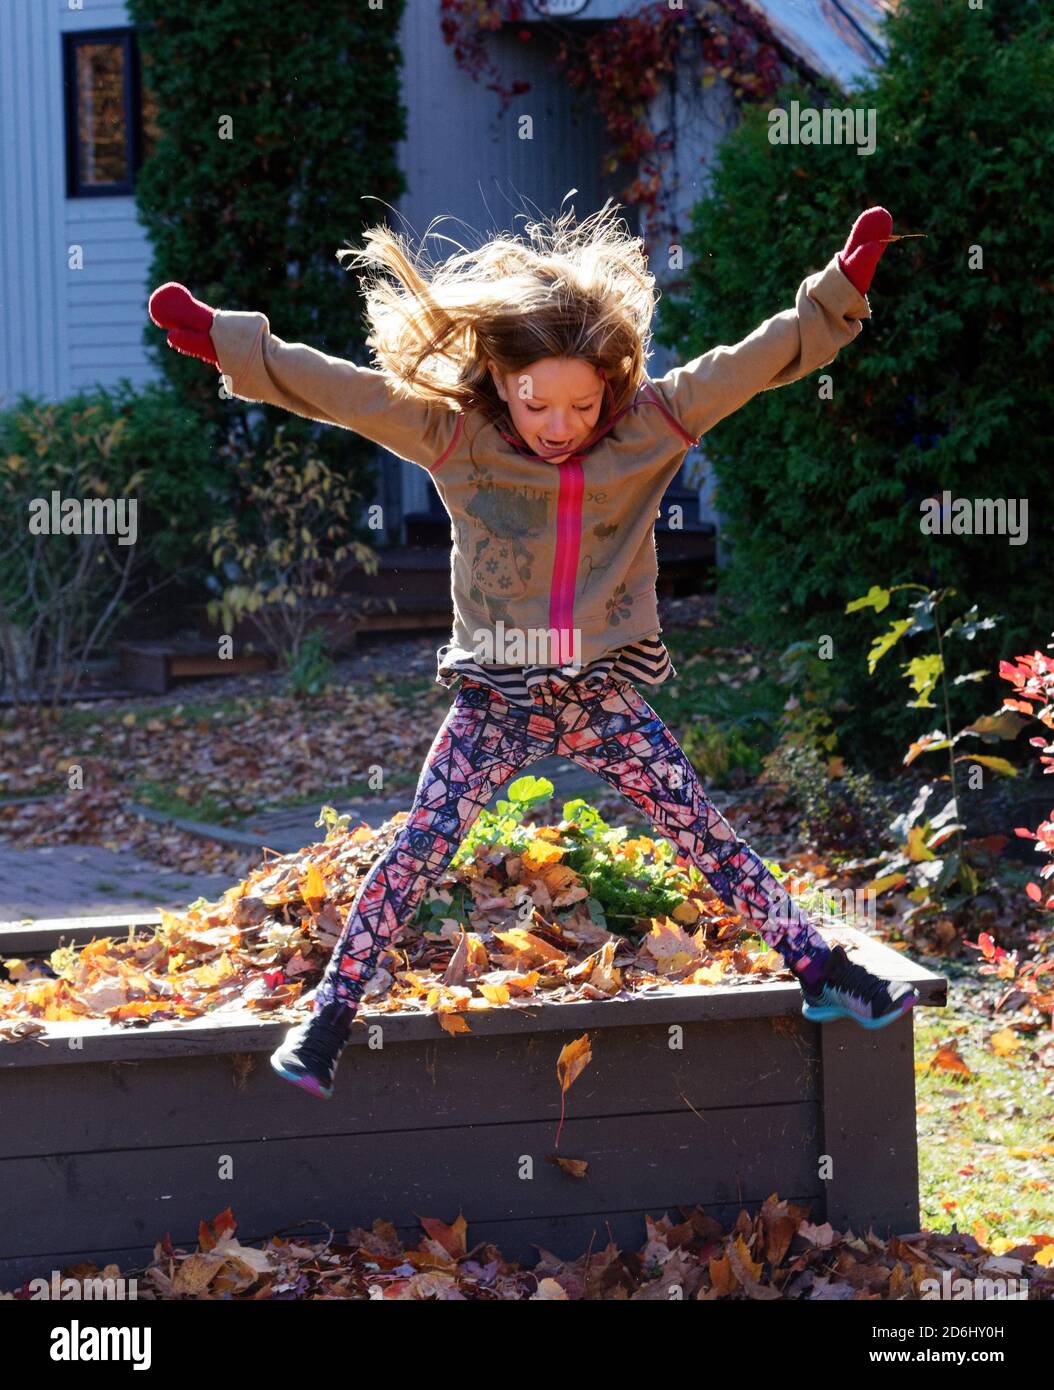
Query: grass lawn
[(982, 1133)]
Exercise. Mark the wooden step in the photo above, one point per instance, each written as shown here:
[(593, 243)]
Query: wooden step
[(153, 666)]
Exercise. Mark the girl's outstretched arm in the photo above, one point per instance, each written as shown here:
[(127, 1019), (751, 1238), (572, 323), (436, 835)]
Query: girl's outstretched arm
[(262, 367), (828, 312)]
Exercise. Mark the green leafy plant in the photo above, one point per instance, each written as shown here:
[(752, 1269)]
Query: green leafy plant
[(334, 824), (808, 715), (938, 882), (246, 205), (843, 814), (723, 754), (310, 669), (627, 881), (504, 825), (285, 550), (501, 826), (63, 595)]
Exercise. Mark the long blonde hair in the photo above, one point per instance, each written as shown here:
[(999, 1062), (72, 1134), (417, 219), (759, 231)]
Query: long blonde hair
[(569, 290)]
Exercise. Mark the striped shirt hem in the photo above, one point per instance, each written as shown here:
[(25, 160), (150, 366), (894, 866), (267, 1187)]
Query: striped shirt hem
[(647, 661)]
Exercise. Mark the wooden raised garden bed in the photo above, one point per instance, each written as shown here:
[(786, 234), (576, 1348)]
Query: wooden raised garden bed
[(107, 1145)]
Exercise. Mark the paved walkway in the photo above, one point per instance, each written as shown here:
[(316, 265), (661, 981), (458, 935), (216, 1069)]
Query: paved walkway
[(89, 881)]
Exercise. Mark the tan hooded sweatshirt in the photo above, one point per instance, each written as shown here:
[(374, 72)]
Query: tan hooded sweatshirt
[(551, 563)]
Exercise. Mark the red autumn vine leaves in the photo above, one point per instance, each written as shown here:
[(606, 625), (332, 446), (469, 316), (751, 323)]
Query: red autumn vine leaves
[(623, 65)]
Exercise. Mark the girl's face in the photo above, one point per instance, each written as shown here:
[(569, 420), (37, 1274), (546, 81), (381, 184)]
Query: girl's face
[(554, 403)]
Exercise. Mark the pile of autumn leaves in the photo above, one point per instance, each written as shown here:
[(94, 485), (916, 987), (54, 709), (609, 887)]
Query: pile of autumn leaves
[(775, 1253), (263, 945)]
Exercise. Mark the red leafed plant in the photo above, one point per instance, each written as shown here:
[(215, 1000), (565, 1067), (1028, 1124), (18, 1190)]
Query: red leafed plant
[(1033, 680), (1033, 982), (1030, 983)]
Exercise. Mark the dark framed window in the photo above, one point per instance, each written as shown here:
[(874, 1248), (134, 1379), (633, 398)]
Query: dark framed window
[(111, 114)]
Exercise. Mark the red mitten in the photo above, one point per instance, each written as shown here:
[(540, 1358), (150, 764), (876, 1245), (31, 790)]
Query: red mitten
[(172, 306), (865, 244)]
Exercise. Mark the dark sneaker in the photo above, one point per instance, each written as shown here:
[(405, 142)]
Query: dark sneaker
[(848, 990), (308, 1057)]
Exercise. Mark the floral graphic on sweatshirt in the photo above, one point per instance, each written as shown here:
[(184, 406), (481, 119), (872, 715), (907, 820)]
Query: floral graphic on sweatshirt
[(501, 560), (597, 558), (619, 606)]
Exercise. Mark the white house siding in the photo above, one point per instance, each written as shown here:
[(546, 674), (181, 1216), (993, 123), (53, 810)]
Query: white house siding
[(33, 346), (106, 301), (67, 329)]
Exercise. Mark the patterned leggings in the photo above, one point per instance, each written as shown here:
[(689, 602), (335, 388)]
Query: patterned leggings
[(611, 730)]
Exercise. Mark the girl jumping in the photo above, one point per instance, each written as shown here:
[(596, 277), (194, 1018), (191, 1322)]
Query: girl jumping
[(514, 374)]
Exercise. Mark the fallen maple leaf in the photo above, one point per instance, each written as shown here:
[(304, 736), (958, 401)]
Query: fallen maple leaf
[(598, 970), (452, 1238), (670, 945), (453, 1023), (747, 1270), (573, 1167), (196, 1273), (574, 1058), (209, 1232), (1005, 1042), (495, 994), (528, 946), (313, 889), (947, 1058), (539, 853), (722, 1278)]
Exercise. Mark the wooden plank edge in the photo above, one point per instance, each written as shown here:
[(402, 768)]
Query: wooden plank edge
[(240, 1031)]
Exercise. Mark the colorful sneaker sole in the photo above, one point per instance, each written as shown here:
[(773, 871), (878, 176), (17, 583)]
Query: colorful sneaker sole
[(824, 1013), (306, 1083)]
